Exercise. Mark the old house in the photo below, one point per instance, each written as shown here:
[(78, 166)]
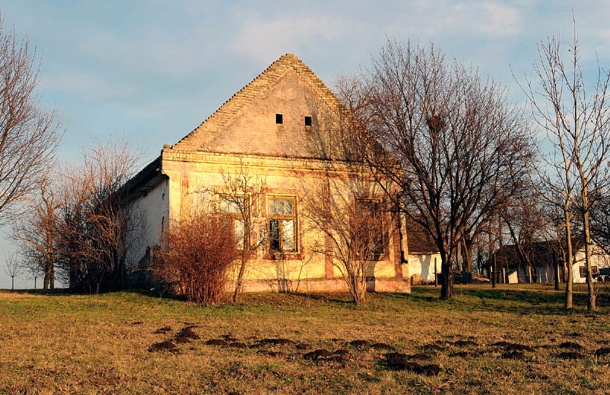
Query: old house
[(546, 261), (280, 133), (600, 259), (424, 258)]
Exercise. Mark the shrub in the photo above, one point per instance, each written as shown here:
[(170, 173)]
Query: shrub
[(195, 257)]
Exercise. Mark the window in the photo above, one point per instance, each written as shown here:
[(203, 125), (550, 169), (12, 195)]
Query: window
[(583, 271), (307, 121), (279, 119), (368, 228), (232, 209), (282, 224)]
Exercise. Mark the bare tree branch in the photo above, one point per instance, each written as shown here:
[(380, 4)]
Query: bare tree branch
[(29, 134), (576, 117), (450, 141)]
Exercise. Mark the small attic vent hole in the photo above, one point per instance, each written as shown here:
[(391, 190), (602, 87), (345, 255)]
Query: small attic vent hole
[(279, 119), (307, 121)]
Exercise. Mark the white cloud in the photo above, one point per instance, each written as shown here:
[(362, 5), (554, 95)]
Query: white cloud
[(88, 85), (474, 18), (153, 53), (499, 20), (264, 40)]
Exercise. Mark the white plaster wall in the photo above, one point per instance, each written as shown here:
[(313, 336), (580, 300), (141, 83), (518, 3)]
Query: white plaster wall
[(598, 258), (423, 265), (150, 215)]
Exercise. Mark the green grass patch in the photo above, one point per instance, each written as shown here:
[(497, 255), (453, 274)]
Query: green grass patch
[(507, 340)]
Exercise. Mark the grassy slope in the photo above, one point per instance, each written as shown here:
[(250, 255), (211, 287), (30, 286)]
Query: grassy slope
[(503, 341)]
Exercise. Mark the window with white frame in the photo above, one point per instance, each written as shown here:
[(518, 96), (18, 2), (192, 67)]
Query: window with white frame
[(282, 223), (232, 210)]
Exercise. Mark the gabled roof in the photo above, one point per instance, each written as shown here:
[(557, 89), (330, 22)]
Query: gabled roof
[(231, 109), (539, 252), (144, 180), (419, 240)]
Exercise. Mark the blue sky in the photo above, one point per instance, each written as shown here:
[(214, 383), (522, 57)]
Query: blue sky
[(152, 70)]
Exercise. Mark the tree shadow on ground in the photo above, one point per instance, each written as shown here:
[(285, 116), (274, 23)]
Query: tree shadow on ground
[(518, 301)]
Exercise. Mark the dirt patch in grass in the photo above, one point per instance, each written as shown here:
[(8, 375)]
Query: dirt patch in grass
[(434, 347), (602, 352), (318, 354), (400, 361), (513, 354), (571, 355), (382, 347), (324, 355), (571, 346), (164, 346), (163, 330), (186, 335), (420, 357), (361, 344), (465, 343), (272, 342), (216, 342)]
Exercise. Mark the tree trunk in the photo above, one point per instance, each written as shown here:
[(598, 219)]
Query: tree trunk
[(591, 302), (446, 280), (49, 274), (492, 271), (242, 269), (556, 269), (458, 257), (569, 259)]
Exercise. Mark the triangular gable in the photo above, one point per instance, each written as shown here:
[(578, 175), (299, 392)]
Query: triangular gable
[(222, 131)]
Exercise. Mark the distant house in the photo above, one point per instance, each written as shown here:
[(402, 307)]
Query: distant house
[(424, 258), (279, 129), (510, 268), (600, 260), (543, 257)]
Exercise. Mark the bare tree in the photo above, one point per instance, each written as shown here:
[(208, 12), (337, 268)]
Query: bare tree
[(13, 268), (576, 116), (196, 255), (350, 215), (600, 222), (346, 203), (528, 225), (34, 273), (29, 135), (37, 234), (240, 203), (95, 218), (450, 142)]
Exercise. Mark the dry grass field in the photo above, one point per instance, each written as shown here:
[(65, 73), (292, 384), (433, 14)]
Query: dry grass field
[(510, 340)]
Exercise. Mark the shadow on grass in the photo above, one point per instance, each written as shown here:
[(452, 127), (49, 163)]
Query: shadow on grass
[(335, 298), (151, 293), (521, 300), (46, 292)]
